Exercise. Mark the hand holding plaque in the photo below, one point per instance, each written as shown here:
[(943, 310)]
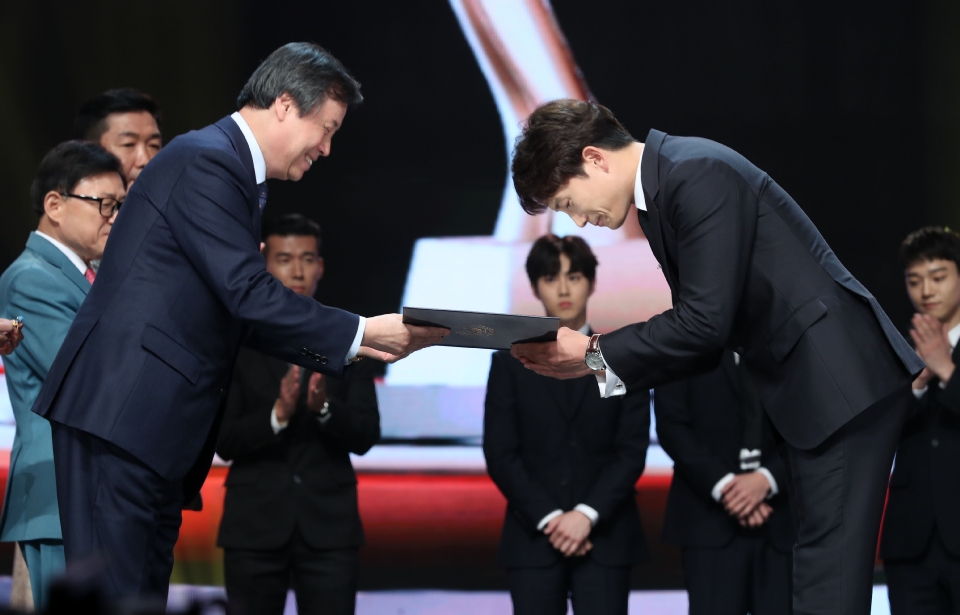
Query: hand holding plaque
[(562, 359), (484, 330)]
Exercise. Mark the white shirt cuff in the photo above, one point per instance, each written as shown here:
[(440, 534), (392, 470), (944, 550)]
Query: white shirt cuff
[(716, 492), (543, 522), (355, 347), (610, 385), (774, 489), (918, 393), (943, 384), (276, 425), (589, 512)]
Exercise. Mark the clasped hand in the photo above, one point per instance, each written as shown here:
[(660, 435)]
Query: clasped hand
[(745, 496), (569, 533), (10, 336), (561, 359), (931, 343)]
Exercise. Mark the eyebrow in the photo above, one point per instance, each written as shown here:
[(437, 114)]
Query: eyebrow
[(130, 133)]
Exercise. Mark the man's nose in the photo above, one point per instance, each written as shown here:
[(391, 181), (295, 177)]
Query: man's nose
[(927, 288), (579, 219), (564, 286), (143, 157), (297, 269)]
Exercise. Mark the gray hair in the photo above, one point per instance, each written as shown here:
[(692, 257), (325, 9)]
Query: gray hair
[(305, 71)]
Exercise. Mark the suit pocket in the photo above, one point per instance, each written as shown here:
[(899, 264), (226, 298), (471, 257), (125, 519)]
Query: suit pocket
[(795, 326), (171, 352)]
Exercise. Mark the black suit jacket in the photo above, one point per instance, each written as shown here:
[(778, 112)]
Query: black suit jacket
[(700, 425), (553, 444), (301, 477), (748, 270), (925, 485)]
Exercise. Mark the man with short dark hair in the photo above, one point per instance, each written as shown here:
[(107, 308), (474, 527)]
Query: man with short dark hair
[(290, 517), (137, 391), (748, 272), (77, 192), (126, 123), (566, 460), (920, 544)]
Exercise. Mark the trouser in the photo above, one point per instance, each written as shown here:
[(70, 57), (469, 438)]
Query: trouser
[(927, 585), (45, 563), (593, 589), (117, 514), (323, 580), (748, 575), (837, 492)]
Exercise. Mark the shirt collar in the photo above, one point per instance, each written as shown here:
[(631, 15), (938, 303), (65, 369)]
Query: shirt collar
[(259, 164), (74, 258), (638, 186), (954, 335)]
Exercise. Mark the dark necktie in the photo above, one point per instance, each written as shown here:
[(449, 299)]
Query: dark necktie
[(643, 216), (262, 195)]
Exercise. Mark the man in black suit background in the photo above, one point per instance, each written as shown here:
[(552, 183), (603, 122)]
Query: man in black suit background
[(747, 269), (290, 517), (727, 507), (920, 544), (566, 460)]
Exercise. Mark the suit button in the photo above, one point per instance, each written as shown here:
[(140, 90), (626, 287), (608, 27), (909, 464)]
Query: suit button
[(297, 479), (304, 352), (935, 443), (323, 360)]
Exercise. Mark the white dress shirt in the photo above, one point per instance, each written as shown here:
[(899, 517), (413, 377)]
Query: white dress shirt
[(610, 385), (74, 258), (260, 173), (953, 335)]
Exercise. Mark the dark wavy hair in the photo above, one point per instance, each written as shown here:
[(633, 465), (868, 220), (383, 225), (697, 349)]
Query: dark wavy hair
[(549, 151), (91, 120), (930, 243), (544, 257), (287, 225)]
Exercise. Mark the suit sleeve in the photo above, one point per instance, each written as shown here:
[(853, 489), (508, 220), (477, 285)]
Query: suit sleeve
[(714, 214), (501, 448), (47, 314), (617, 482), (354, 422), (210, 216), (699, 465), (246, 425)]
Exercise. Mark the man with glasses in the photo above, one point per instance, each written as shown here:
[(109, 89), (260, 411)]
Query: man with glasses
[(77, 192)]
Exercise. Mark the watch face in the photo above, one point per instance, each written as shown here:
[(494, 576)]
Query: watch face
[(594, 360)]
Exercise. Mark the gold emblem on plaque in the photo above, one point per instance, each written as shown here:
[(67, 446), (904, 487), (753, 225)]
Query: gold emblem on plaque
[(473, 330)]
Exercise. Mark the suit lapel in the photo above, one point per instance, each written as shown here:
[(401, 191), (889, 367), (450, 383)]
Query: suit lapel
[(239, 142), (650, 182), (50, 253)]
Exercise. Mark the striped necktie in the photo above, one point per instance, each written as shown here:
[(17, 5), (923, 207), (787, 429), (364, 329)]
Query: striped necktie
[(262, 195), (90, 274)]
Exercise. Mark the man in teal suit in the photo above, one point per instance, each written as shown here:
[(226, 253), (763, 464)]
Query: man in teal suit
[(77, 191)]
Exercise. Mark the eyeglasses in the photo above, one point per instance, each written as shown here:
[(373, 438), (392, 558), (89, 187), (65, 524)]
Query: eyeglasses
[(107, 204)]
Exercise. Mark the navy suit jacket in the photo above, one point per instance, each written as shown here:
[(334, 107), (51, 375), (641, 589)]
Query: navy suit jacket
[(553, 444), (749, 271), (147, 361)]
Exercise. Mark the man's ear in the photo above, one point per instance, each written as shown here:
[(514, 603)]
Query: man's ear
[(283, 106), (320, 268), (594, 156), (536, 293), (53, 206)]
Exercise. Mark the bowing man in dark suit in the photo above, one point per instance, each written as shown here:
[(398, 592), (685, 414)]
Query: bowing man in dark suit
[(566, 460), (136, 393), (747, 269), (290, 517), (920, 544), (727, 507)]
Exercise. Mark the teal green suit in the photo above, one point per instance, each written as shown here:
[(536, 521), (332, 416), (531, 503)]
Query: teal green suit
[(46, 288)]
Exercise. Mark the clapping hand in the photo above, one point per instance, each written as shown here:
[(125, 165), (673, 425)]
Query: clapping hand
[(10, 335), (286, 403), (317, 393), (933, 346)]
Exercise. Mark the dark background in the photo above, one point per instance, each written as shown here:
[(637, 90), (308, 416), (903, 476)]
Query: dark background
[(853, 107)]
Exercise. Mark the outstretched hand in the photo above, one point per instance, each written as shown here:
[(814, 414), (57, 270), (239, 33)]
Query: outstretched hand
[(561, 359), (386, 338)]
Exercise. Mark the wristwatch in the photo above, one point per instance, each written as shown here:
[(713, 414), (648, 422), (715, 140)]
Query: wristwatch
[(593, 359)]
